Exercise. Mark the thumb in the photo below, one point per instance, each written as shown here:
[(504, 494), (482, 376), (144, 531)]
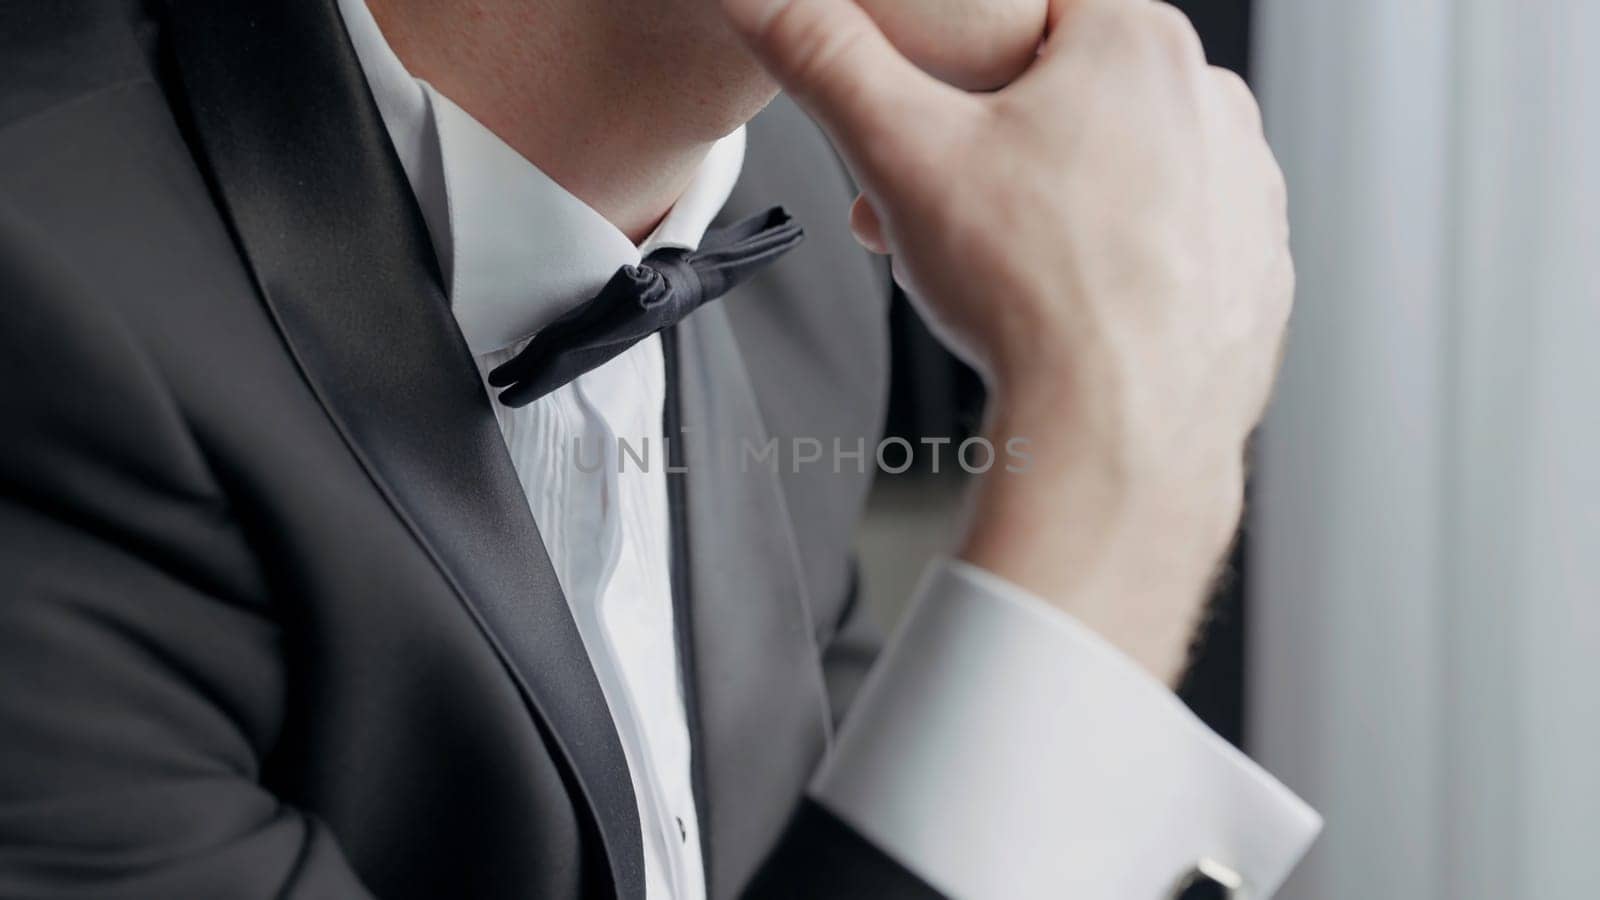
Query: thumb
[(832, 58)]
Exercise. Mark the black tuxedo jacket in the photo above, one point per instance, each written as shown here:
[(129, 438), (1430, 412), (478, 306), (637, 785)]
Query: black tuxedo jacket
[(275, 619)]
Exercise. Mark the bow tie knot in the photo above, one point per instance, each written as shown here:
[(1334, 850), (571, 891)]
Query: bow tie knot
[(641, 300)]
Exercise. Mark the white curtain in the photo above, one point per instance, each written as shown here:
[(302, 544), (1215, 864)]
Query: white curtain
[(1426, 531)]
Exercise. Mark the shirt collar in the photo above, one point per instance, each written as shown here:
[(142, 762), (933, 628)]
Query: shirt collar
[(516, 249)]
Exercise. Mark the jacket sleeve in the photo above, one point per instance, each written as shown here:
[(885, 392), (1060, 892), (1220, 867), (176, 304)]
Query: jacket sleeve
[(139, 683)]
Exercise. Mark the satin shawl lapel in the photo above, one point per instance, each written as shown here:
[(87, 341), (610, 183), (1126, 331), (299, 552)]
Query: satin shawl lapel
[(326, 220), (759, 705)]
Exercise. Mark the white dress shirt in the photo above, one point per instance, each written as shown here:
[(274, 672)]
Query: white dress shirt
[(998, 750)]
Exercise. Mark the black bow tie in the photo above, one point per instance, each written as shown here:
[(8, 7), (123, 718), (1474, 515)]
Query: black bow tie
[(641, 300)]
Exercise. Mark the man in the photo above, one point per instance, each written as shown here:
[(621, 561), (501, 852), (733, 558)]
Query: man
[(318, 314)]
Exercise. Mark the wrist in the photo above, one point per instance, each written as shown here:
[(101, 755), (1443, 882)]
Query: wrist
[(1129, 551)]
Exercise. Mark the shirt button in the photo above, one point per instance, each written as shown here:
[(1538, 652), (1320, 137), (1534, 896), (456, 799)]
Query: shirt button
[(683, 833)]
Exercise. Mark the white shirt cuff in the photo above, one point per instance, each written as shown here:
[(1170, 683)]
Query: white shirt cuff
[(1002, 749)]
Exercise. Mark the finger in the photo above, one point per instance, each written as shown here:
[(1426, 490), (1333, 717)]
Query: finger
[(1173, 28), (1076, 20), (1059, 11), (831, 57), (1097, 35), (867, 227)]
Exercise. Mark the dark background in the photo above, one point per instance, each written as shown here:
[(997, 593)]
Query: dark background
[(936, 396)]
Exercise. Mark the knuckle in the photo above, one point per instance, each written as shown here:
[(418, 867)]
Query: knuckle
[(1277, 185), (1280, 294), (1171, 29), (1272, 180), (1230, 85), (1236, 96)]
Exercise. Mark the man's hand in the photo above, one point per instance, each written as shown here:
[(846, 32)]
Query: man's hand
[(1106, 240), (973, 44)]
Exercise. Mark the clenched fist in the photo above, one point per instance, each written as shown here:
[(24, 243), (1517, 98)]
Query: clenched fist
[(1105, 238)]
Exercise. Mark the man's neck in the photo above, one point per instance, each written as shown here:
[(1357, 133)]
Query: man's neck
[(600, 97)]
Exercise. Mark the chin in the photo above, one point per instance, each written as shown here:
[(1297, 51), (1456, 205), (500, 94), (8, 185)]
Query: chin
[(696, 66), (732, 92), (755, 100)]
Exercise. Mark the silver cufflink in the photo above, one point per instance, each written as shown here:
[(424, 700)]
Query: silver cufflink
[(1210, 880)]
